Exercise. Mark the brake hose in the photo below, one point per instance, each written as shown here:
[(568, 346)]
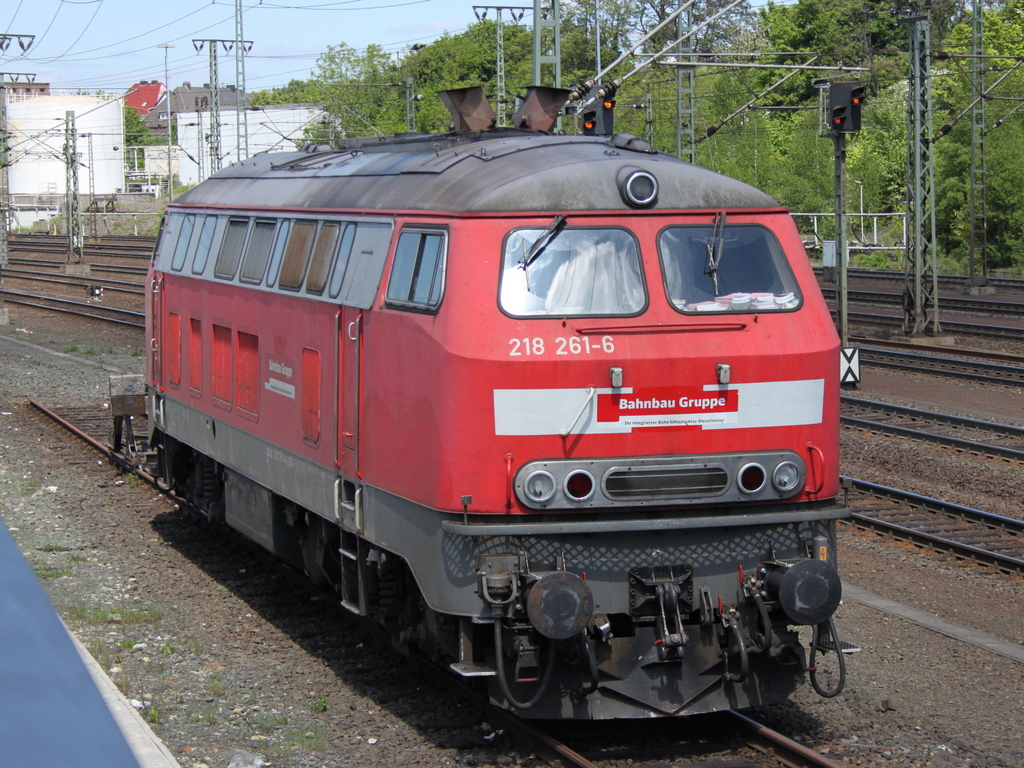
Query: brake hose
[(762, 610), (499, 654), (744, 658), (591, 664), (813, 670)]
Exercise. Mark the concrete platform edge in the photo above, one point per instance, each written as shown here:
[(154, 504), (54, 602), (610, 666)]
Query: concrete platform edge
[(147, 748), (928, 621)]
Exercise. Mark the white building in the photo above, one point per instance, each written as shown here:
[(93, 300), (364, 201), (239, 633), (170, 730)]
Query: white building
[(37, 138)]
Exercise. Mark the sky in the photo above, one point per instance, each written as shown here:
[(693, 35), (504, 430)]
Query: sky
[(108, 45)]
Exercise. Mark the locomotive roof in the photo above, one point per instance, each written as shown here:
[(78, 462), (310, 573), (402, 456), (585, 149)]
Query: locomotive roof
[(489, 171)]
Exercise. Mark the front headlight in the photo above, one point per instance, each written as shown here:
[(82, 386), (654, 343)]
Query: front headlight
[(540, 487), (786, 477)]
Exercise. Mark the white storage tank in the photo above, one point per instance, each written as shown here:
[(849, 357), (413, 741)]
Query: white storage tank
[(36, 126)]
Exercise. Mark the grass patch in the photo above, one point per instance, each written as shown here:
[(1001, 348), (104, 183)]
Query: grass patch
[(49, 572), (90, 352), (130, 616), (54, 548), (319, 704), (215, 686), (71, 348)]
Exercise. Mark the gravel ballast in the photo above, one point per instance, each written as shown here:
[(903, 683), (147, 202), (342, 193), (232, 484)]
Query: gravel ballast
[(228, 658)]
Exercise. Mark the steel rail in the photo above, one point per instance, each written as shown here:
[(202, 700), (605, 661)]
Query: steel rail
[(126, 317), (965, 550), (962, 422), (988, 373), (784, 749)]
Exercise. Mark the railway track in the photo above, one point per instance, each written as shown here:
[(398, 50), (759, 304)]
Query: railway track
[(946, 282), (966, 533), (977, 354), (948, 326), (984, 438), (117, 286), (773, 748), (128, 269), (124, 317), (956, 304), (951, 367), (136, 247)]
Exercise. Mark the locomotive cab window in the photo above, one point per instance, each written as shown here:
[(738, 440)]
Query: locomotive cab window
[(296, 255), (181, 247), (726, 268), (344, 251), (204, 245), (257, 252), (565, 272), (323, 257), (417, 276), (231, 249)]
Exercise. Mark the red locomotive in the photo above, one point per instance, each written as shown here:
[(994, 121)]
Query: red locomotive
[(560, 412)]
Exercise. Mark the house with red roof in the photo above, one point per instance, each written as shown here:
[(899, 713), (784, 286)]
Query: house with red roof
[(145, 95)]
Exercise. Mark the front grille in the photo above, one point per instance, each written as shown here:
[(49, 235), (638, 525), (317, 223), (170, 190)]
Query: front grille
[(662, 482)]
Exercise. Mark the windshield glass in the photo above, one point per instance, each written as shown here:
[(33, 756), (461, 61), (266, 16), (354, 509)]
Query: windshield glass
[(742, 270), (577, 272)]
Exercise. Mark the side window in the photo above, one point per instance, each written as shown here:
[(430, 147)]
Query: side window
[(181, 247), (204, 244), (231, 249), (278, 254), (323, 256), (257, 252), (417, 275), (344, 251), (296, 255)]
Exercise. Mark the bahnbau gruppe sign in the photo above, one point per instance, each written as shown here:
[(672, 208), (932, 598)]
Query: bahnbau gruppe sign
[(668, 406)]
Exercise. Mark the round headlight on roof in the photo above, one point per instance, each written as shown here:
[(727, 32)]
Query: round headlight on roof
[(639, 189)]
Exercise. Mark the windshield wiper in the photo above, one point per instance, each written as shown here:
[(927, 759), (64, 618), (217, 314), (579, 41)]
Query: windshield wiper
[(715, 249), (541, 242)]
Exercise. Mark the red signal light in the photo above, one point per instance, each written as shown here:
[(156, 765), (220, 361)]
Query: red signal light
[(609, 104)]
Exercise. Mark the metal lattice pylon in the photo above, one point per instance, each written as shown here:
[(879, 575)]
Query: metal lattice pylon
[(921, 292), (978, 267), (686, 137), (547, 42), (72, 208), (241, 116), (5, 187)]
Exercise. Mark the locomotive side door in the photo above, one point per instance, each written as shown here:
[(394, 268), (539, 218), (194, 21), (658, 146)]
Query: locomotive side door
[(364, 267), (349, 341), (156, 313)]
